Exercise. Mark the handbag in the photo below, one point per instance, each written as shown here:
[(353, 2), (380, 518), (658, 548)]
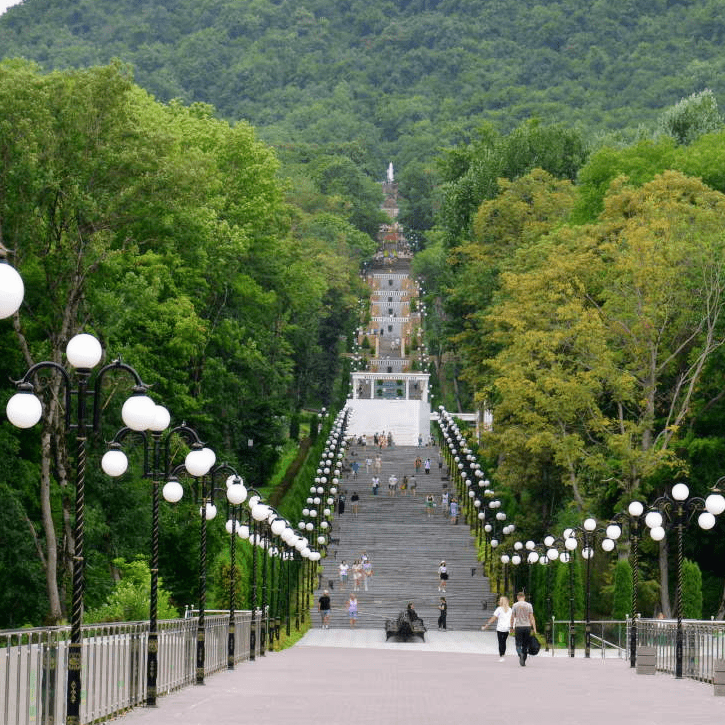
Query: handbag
[(534, 645)]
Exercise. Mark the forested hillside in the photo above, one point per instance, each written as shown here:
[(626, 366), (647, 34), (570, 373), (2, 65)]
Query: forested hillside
[(562, 163), (401, 77)]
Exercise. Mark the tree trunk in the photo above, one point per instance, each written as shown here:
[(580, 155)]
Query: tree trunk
[(721, 609), (55, 613), (664, 562)]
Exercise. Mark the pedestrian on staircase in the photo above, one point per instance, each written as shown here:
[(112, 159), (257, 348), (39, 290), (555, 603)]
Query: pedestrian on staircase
[(367, 572), (429, 504), (392, 484), (413, 484), (444, 503), (404, 486), (323, 607), (357, 575), (443, 609), (376, 485), (443, 576), (343, 568), (355, 503), (378, 464), (426, 466), (418, 463), (352, 609), (454, 510), (368, 464)]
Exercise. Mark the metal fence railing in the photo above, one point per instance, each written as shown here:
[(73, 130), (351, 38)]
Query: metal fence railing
[(33, 664), (702, 643), (608, 637)]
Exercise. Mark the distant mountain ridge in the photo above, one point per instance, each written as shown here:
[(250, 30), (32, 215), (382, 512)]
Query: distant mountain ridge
[(403, 77)]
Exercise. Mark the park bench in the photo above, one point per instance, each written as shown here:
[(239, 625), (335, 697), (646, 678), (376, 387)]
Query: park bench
[(404, 628)]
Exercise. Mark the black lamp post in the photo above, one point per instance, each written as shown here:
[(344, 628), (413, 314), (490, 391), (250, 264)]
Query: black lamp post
[(24, 410), (236, 494), (633, 515), (539, 553), (197, 464), (590, 533), (569, 542), (252, 501), (676, 510), (157, 462)]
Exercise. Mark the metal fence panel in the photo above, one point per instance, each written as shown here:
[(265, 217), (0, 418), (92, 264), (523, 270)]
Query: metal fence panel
[(702, 643), (33, 665)]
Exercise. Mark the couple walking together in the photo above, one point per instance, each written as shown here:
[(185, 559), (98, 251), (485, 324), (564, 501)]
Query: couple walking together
[(518, 619)]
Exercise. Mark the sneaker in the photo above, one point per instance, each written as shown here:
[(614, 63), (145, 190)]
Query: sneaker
[(500, 659)]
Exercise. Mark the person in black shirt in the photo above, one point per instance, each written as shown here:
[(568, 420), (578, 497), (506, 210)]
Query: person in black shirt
[(324, 609), (443, 609)]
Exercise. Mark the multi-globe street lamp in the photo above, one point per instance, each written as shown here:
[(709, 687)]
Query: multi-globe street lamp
[(157, 459), (676, 510), (197, 464), (634, 516), (24, 410), (236, 493), (589, 533), (569, 543), (538, 553)]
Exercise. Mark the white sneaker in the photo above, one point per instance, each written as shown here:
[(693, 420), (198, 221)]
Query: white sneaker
[(500, 659)]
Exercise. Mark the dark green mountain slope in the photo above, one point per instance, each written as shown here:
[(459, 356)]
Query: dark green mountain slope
[(401, 77)]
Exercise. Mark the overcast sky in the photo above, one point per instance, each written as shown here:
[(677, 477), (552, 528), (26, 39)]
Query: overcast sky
[(5, 4)]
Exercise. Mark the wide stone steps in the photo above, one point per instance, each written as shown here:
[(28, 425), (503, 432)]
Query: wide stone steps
[(405, 546)]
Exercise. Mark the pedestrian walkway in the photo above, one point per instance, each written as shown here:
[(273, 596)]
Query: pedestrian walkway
[(409, 684)]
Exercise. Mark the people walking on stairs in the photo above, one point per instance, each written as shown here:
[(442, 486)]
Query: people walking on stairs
[(417, 464), (344, 569), (413, 485), (442, 576), (352, 609), (523, 624), (355, 499), (426, 466), (502, 617), (429, 504), (367, 572), (357, 575), (324, 609), (376, 485), (392, 484), (444, 502), (454, 511), (443, 609)]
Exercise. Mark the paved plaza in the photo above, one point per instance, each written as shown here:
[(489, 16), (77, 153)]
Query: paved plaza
[(356, 678)]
